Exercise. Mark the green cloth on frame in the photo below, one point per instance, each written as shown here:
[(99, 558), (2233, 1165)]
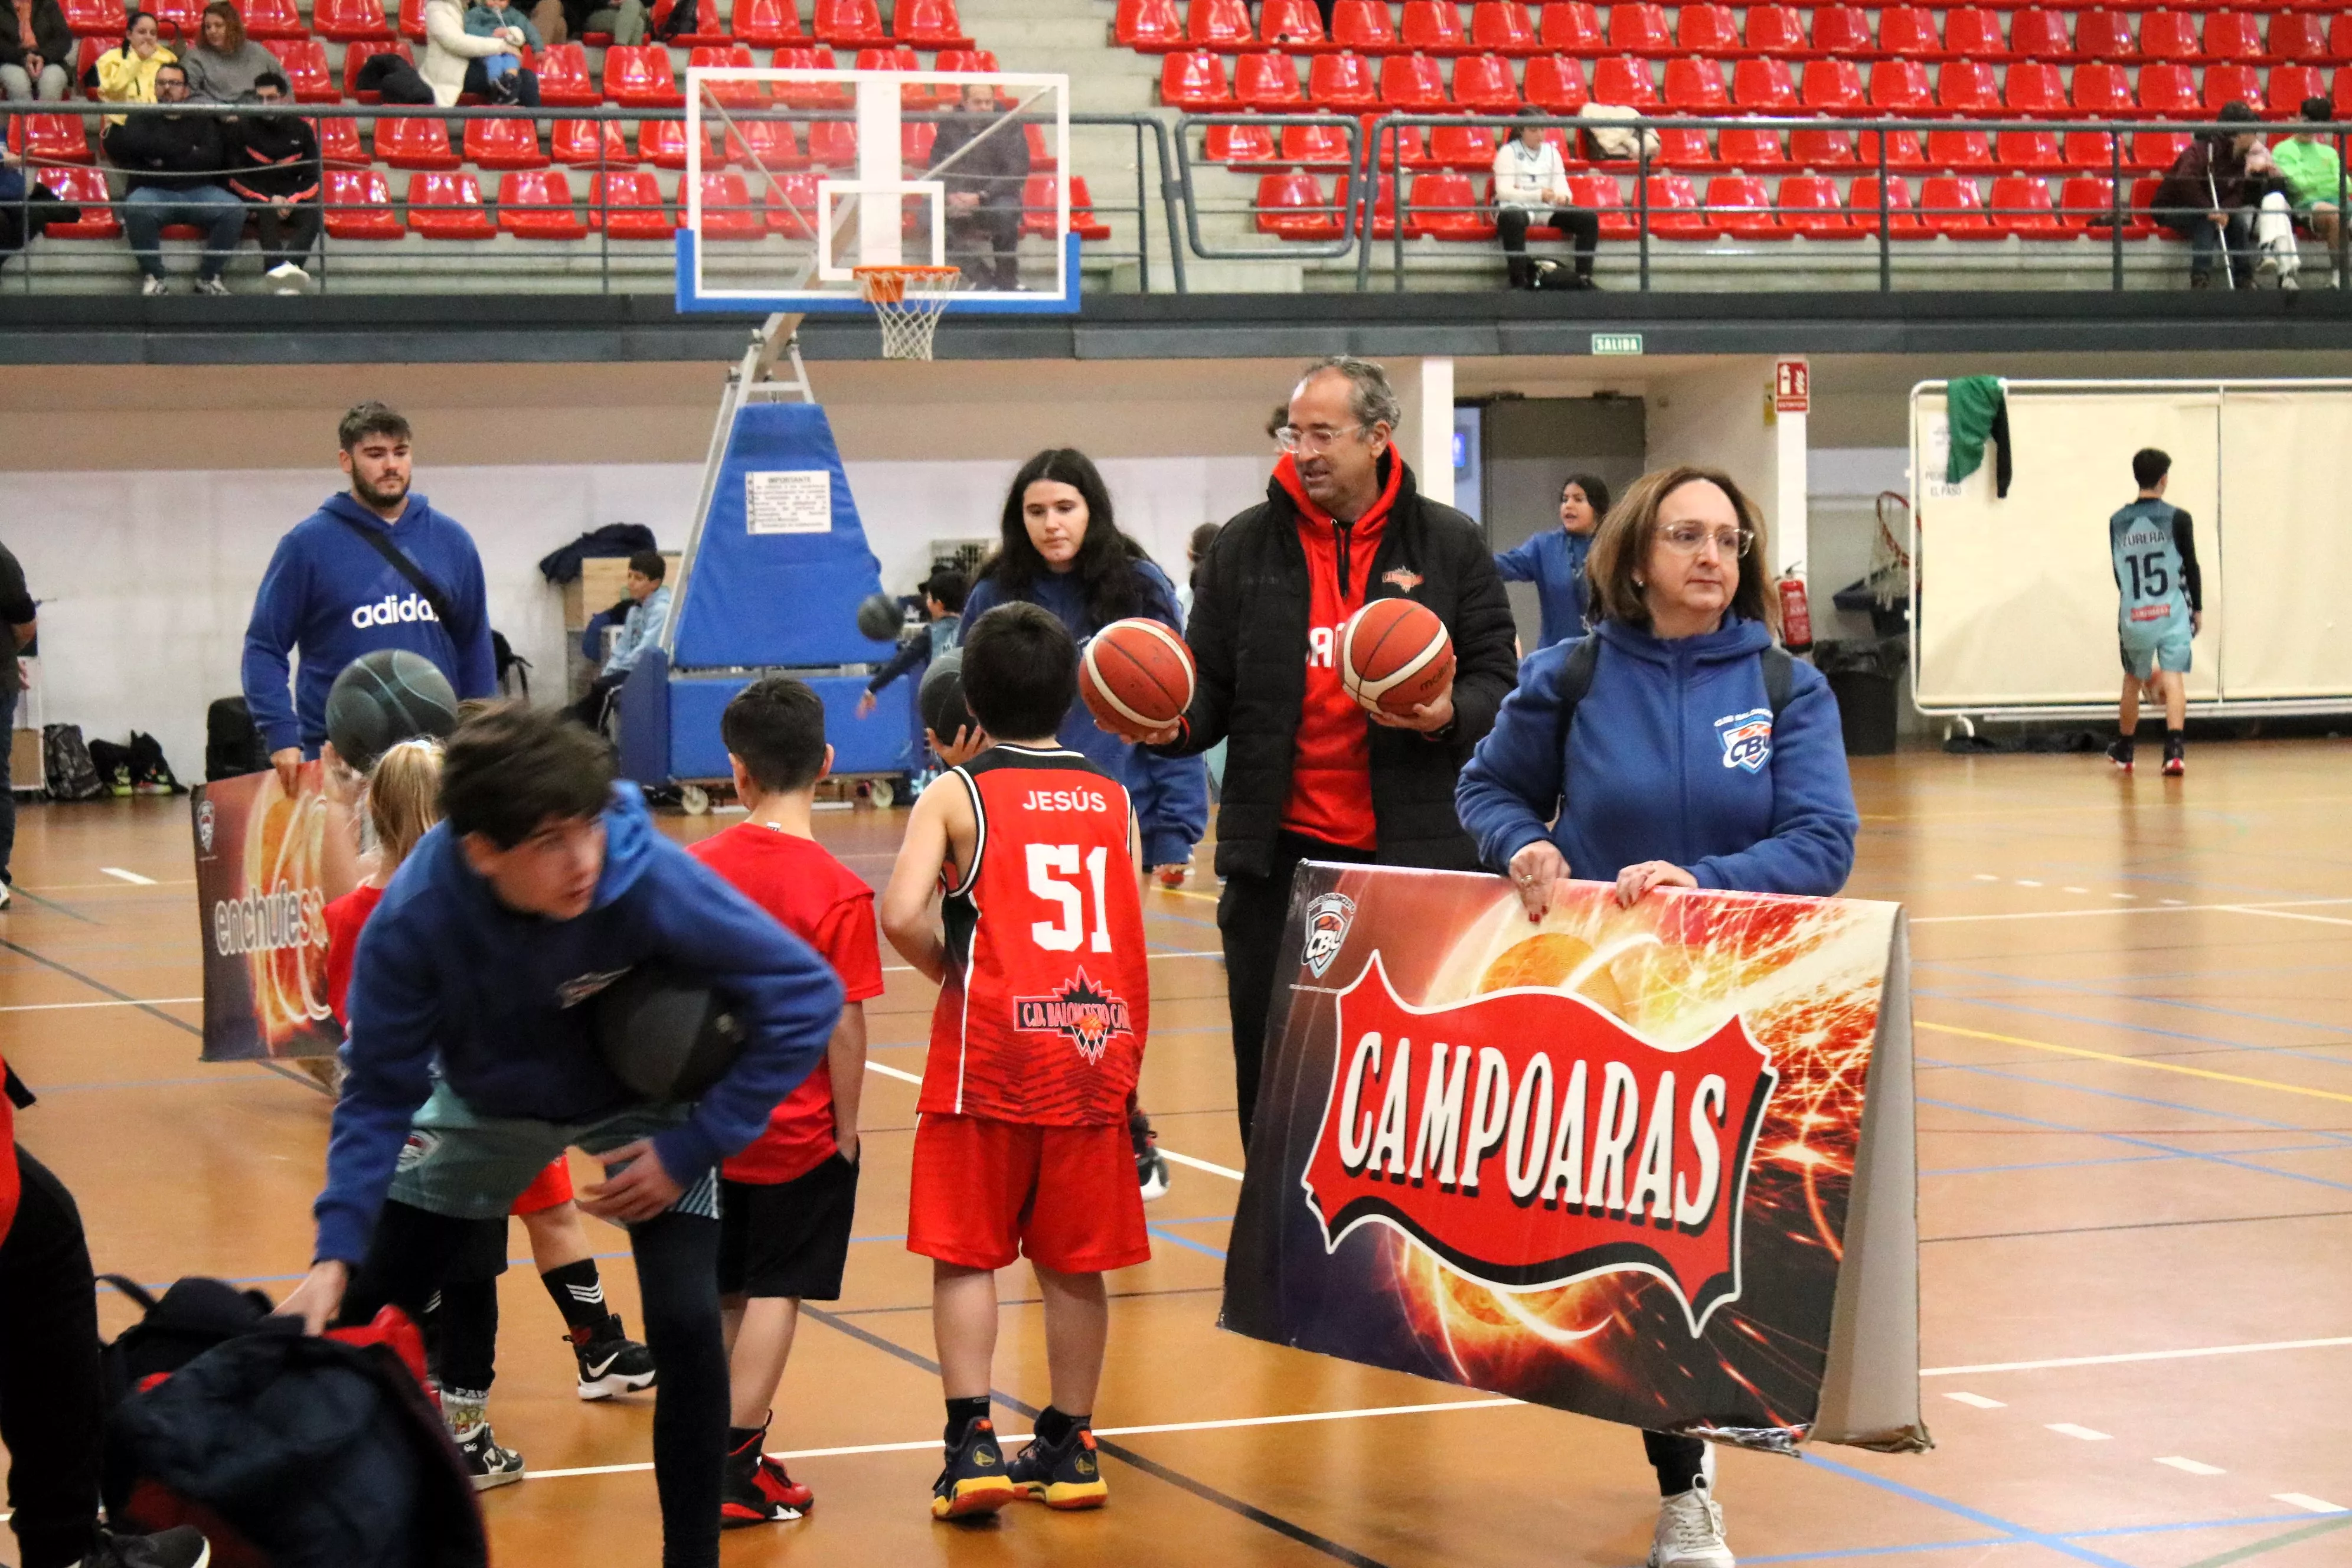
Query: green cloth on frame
[(1978, 411)]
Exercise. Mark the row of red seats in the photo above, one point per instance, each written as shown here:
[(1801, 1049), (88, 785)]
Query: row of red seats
[(1444, 206), (768, 24), (1196, 82), (1748, 149), (1575, 27)]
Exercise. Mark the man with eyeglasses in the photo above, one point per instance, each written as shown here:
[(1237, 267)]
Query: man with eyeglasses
[(1309, 773), (176, 163)]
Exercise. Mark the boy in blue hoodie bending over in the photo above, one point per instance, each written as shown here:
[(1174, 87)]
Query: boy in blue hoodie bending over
[(470, 1063)]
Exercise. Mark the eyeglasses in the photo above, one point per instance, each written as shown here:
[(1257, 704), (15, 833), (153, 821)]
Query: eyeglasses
[(1688, 537), (1291, 438)]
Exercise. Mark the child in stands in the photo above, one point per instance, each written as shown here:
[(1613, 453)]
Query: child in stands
[(1036, 1041), (786, 1202)]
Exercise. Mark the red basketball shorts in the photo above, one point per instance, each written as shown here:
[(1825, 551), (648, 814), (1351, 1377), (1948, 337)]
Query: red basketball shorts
[(552, 1187), (984, 1192)]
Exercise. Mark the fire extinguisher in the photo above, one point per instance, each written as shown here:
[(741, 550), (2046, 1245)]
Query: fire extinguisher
[(1796, 616)]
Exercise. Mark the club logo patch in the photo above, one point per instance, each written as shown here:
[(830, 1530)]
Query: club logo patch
[(204, 827), (1405, 577), (418, 1149), (1747, 739), (579, 988), (1328, 920), (1087, 1013)]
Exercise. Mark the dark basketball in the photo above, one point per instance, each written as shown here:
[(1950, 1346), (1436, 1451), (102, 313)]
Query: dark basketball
[(384, 697), (940, 696), (879, 618), (663, 1033)]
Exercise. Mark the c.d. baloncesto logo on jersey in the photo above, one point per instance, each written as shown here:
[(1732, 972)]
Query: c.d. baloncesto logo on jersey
[(1088, 1013)]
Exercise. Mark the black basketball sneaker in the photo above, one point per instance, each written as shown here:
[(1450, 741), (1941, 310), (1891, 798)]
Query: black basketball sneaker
[(610, 1362), (2119, 752), (974, 1481), (1064, 1475)]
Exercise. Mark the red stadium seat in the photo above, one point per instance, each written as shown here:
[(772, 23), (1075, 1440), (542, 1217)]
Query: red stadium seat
[(1342, 82), (1364, 25), (536, 204), (1433, 28), (2090, 149), (1950, 204), (94, 19), (808, 94), (1842, 32), (2226, 84), (1834, 87), (1740, 205), (769, 145), (2168, 35), (1900, 87), (1972, 33), (1483, 83), (1967, 88), (1763, 86), (1682, 147), (852, 23), (1638, 27), (85, 187), (916, 139), (1384, 211), (305, 64), (1903, 149), (1752, 150), (1195, 82), (727, 209), (272, 19), (2038, 34), (1294, 206), (1447, 207), (2232, 35), (1809, 205), (641, 78), (590, 143), (2028, 150), (1706, 29), (2103, 91), (1908, 32), (338, 142), (1413, 84), (502, 144), (2034, 88), (2021, 205), (729, 56), (1695, 87), (2157, 149), (1316, 147), (49, 138), (1218, 24), (1469, 147), (701, 29), (1775, 31), (1675, 209), (1599, 194), (1815, 147), (410, 20), (2298, 36), (358, 54), (927, 25), (448, 207), (2289, 86), (2340, 91), (833, 144), (1555, 84), (2104, 35), (1268, 82), (358, 204), (180, 19), (1863, 202), (2087, 204), (1238, 145), (1570, 27), (1503, 27), (1407, 146), (349, 19), (776, 23), (981, 62), (626, 204), (1967, 151), (1624, 82), (1083, 222), (662, 142)]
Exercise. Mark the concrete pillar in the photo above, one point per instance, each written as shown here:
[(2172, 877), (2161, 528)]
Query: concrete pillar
[(1789, 533), (1429, 429)]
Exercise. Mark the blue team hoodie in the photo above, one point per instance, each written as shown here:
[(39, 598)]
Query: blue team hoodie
[(329, 594), (447, 975), (1553, 559), (1675, 755), (1170, 793)]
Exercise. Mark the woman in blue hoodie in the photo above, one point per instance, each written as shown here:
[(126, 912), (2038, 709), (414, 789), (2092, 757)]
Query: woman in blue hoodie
[(1677, 746)]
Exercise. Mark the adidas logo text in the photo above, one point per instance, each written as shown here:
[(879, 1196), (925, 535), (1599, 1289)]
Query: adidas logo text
[(389, 611)]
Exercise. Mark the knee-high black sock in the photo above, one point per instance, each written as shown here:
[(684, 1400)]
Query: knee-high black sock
[(578, 1293), (677, 1279)]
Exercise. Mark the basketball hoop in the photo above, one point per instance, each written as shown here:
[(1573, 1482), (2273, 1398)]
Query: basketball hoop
[(909, 301)]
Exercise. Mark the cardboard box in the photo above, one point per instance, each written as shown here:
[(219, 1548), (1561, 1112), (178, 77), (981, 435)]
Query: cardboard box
[(26, 769), (604, 582)]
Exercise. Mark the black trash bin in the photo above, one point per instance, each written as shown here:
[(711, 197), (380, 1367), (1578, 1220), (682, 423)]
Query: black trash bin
[(1865, 676)]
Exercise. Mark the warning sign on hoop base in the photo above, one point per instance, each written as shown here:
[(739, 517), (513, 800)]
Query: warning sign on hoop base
[(788, 501)]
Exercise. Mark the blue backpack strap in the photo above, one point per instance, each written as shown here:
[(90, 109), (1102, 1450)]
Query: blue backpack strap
[(1576, 680), (1779, 677)]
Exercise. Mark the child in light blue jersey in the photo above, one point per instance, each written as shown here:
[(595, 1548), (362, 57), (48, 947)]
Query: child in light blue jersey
[(2162, 607)]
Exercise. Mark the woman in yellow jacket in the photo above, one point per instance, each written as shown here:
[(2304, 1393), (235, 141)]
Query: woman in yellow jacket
[(126, 73)]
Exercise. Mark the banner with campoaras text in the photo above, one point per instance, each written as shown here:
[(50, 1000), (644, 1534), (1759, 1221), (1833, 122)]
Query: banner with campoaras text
[(266, 864), (1653, 1165)]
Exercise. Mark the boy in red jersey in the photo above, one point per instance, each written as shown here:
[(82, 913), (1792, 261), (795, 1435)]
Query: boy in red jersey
[(786, 1202), (1045, 999)]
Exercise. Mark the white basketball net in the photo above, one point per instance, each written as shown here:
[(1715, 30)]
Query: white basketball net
[(909, 301)]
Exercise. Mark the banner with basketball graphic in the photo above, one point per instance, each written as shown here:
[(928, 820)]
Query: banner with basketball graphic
[(1653, 1165), (266, 864)]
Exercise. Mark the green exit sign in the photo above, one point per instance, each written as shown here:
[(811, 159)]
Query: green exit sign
[(1616, 343)]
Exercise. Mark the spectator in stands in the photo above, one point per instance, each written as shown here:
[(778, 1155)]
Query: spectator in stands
[(1529, 177), (126, 73), (642, 630), (277, 174), (26, 206), (2206, 197), (224, 64), (559, 20), (176, 163), (18, 610), (1553, 559), (501, 78), (454, 64), (2313, 176), (35, 45), (982, 158)]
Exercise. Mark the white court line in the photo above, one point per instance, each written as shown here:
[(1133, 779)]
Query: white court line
[(2134, 1355), (127, 1002), (2191, 1467), (2305, 1501), (2027, 883), (2087, 1433), (121, 875), (1978, 1401), (2170, 907), (933, 1443), (2287, 915), (903, 1076)]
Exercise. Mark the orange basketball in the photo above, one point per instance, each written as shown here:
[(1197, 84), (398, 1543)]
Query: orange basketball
[(1395, 655), (1136, 676)]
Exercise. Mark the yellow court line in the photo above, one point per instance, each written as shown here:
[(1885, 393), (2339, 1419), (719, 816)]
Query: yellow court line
[(2138, 1062), (1187, 893)]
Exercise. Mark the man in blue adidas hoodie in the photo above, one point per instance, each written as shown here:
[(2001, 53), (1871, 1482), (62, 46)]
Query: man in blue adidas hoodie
[(543, 884), (333, 595)]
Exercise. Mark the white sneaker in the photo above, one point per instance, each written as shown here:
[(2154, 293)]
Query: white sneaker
[(213, 286), (289, 278), (6, 898), (1690, 1532), (151, 286)]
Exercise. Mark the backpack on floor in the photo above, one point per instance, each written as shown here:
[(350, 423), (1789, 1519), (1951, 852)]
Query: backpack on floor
[(65, 764), (111, 762), (508, 662), (150, 774), (232, 743)]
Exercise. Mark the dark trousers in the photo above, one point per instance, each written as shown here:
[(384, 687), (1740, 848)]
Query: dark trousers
[(591, 709), (2205, 240), (1676, 1459), (1581, 225), (394, 79), (288, 235), (1250, 914), (984, 241), (523, 83), (48, 1373), (678, 1284)]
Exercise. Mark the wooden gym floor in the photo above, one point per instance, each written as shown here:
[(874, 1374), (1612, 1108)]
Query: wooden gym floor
[(2136, 1082)]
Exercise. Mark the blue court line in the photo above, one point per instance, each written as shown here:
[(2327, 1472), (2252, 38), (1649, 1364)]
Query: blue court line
[(1964, 998), (2016, 1532), (2119, 1160), (1186, 1242), (1848, 1552), (2080, 990), (2135, 1143)]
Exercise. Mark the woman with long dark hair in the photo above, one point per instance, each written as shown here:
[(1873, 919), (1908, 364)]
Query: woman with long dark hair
[(1553, 559)]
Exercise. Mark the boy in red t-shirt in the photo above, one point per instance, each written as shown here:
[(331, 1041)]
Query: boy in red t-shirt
[(1021, 1145), (786, 1202)]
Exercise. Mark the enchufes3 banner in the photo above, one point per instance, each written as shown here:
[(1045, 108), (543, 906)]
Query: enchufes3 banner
[(1655, 1165), (266, 864)]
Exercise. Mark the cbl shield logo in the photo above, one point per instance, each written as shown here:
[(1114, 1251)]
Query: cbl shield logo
[(1531, 1140), (204, 827), (1747, 739), (1328, 920)]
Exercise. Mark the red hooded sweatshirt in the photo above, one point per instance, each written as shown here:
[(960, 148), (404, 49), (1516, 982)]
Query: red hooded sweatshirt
[(1331, 773)]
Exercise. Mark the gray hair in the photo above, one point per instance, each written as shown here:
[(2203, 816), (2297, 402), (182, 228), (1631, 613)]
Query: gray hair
[(1370, 397)]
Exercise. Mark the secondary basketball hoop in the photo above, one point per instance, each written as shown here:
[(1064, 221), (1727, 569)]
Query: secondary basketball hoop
[(909, 301)]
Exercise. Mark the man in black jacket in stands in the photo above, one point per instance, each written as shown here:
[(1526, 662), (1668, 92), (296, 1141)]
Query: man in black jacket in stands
[(178, 165), (277, 172), (991, 154), (1310, 774)]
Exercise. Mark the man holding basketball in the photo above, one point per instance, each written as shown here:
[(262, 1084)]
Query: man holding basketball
[(1312, 773)]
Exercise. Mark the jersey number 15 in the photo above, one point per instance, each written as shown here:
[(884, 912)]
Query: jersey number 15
[(2149, 579), (1066, 934)]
